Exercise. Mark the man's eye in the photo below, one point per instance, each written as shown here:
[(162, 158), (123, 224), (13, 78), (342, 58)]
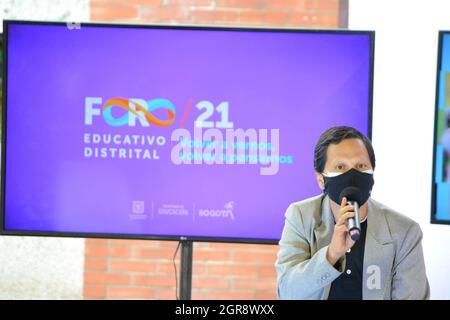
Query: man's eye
[(340, 167)]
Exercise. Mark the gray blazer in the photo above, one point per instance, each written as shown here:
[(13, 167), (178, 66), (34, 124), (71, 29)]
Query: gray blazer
[(393, 259)]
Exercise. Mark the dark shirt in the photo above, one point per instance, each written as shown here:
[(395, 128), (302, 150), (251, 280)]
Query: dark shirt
[(348, 286)]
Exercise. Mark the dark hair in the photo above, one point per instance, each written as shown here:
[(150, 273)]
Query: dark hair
[(335, 135)]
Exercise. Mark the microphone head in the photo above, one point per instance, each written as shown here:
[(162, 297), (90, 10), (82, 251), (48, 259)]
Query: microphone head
[(351, 193), (354, 234)]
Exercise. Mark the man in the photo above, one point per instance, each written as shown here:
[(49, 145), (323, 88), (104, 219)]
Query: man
[(318, 259)]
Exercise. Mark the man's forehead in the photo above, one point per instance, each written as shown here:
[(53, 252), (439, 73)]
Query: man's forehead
[(348, 148)]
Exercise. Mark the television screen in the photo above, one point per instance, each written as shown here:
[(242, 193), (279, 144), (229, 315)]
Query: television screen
[(440, 209), (163, 132)]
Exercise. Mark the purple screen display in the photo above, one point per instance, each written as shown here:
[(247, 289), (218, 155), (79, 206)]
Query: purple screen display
[(172, 132)]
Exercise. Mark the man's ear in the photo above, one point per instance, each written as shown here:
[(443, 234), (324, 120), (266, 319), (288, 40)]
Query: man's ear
[(320, 181)]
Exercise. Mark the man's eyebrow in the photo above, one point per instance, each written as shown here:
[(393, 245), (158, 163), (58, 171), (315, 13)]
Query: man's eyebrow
[(338, 160)]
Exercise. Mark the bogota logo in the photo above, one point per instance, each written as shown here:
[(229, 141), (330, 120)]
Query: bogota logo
[(136, 109), (226, 212)]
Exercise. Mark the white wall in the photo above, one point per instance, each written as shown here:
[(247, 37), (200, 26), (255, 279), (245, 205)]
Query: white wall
[(404, 95), (41, 268), (55, 10)]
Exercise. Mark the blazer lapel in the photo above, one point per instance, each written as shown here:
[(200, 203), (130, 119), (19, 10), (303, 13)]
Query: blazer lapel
[(324, 232), (378, 255), (324, 225)]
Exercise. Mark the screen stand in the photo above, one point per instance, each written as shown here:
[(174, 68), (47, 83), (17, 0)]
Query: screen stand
[(186, 269)]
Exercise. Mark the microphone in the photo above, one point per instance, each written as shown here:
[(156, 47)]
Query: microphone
[(353, 196)]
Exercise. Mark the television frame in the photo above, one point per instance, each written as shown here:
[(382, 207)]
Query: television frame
[(370, 34), (433, 219)]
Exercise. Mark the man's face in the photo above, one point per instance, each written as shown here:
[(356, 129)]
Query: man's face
[(341, 157)]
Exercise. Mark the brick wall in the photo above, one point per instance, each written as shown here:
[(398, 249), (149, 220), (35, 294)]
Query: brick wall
[(136, 269), (277, 13)]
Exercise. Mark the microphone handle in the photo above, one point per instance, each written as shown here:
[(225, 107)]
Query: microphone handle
[(354, 225)]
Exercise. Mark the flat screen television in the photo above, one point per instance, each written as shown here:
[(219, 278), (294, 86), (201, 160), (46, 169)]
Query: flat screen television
[(171, 132), (440, 184)]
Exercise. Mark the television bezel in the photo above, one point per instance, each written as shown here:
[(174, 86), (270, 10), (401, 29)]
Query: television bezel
[(6, 23), (433, 219)]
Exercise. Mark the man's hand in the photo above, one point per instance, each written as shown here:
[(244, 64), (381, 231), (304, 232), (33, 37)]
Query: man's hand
[(341, 240)]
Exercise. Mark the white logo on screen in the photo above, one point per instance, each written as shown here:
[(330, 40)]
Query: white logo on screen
[(73, 25), (225, 213), (173, 210), (138, 207)]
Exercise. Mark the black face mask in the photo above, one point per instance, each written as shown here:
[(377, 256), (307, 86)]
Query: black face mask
[(351, 178)]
